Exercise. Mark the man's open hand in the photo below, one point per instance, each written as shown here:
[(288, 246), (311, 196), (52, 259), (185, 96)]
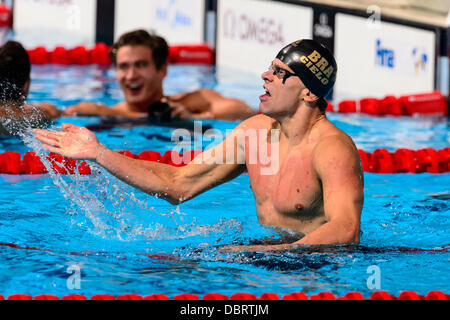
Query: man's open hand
[(74, 142)]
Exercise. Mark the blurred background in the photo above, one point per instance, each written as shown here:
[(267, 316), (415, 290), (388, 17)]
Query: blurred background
[(382, 47)]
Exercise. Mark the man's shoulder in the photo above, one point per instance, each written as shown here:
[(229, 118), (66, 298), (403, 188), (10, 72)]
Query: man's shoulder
[(258, 121), (336, 139), (336, 145)]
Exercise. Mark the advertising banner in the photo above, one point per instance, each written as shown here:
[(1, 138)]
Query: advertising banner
[(178, 21), (381, 58), (250, 33), (55, 22)]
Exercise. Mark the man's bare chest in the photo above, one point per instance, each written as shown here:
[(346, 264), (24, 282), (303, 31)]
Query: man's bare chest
[(293, 190)]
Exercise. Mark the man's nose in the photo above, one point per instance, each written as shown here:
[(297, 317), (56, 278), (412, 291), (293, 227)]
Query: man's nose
[(267, 75), (131, 73)]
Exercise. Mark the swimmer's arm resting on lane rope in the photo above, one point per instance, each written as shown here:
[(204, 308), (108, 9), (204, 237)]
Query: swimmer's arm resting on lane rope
[(100, 109), (174, 184)]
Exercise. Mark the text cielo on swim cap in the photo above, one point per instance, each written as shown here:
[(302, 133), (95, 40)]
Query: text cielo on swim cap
[(313, 63)]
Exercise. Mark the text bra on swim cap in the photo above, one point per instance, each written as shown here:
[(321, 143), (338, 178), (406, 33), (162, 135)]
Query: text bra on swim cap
[(318, 66)]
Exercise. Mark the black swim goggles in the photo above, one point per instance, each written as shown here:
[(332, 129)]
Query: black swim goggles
[(281, 73)]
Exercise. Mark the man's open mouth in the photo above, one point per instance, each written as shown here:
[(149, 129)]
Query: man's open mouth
[(135, 87), (266, 95)]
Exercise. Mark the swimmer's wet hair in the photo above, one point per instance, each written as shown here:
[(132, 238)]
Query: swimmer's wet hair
[(15, 68), (158, 45)]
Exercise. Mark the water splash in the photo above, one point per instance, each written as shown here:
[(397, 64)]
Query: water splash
[(104, 205), (16, 116), (100, 203)]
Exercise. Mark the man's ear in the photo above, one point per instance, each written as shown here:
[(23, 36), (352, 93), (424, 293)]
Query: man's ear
[(163, 70), (309, 97)]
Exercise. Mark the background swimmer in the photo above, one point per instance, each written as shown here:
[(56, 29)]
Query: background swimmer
[(141, 63), (15, 80)]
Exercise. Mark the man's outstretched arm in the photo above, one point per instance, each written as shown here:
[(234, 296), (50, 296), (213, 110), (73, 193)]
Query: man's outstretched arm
[(174, 184)]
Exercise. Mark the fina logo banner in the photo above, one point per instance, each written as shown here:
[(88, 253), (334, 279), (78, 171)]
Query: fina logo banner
[(420, 58), (384, 56), (179, 21), (408, 59), (390, 59)]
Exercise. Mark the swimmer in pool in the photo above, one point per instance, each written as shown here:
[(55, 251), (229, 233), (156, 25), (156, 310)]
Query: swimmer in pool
[(141, 63), (315, 182), (15, 114)]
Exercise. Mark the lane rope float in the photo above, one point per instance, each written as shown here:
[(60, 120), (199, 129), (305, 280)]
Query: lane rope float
[(377, 295), (379, 161), (99, 54)]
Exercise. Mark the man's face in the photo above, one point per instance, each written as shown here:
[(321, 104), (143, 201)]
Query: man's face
[(280, 98), (137, 75)]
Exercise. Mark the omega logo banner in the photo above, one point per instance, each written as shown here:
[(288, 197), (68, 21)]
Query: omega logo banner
[(382, 59), (250, 33), (64, 22), (178, 21)]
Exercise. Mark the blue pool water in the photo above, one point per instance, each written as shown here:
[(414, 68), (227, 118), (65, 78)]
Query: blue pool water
[(124, 241)]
